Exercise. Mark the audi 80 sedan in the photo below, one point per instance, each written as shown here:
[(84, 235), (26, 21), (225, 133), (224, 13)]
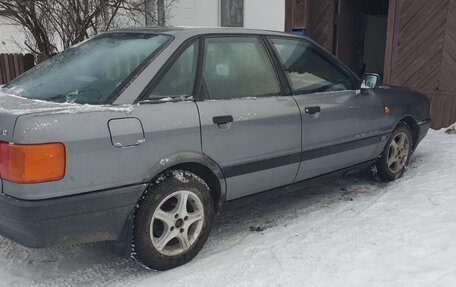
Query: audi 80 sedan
[(140, 135)]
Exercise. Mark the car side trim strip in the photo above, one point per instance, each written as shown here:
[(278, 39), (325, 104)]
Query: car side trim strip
[(250, 167), (264, 164)]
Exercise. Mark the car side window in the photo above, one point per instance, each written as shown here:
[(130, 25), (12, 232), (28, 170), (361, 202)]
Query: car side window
[(237, 67), (177, 83), (308, 70)]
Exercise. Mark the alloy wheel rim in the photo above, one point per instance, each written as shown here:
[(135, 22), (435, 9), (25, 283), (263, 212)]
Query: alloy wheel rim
[(177, 223), (398, 152)]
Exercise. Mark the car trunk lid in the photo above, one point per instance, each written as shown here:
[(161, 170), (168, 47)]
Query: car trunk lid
[(12, 107)]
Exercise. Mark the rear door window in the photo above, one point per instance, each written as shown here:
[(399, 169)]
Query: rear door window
[(237, 67), (178, 81)]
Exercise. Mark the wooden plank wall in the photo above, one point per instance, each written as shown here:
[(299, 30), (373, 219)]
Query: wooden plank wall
[(296, 14), (421, 53), (316, 16), (13, 65), (321, 24)]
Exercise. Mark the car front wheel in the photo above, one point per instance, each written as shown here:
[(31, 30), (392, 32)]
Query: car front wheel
[(172, 221), (396, 155)]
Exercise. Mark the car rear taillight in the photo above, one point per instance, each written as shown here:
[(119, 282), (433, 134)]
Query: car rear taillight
[(34, 163)]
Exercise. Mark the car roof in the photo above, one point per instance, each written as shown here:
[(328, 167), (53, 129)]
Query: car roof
[(188, 31)]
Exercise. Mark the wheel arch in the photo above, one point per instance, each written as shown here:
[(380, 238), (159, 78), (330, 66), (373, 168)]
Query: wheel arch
[(198, 164), (414, 128)]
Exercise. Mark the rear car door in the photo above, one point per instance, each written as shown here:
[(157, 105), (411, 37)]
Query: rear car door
[(169, 117), (340, 126), (248, 126)]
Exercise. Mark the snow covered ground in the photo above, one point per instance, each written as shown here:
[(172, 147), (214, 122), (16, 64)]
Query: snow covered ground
[(349, 232)]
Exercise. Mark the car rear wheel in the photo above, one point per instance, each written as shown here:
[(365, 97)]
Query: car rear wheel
[(172, 221), (396, 155)]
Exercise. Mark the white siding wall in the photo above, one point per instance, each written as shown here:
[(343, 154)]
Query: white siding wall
[(264, 14), (258, 14), (195, 13), (11, 37)]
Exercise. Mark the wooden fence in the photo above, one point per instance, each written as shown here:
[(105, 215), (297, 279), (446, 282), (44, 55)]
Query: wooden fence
[(12, 65)]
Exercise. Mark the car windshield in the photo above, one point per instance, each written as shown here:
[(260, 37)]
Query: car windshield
[(91, 72)]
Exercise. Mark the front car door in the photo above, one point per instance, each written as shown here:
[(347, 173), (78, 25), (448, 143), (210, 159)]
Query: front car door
[(340, 126), (248, 126)]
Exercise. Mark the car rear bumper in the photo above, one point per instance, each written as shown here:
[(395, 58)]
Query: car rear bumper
[(96, 216)]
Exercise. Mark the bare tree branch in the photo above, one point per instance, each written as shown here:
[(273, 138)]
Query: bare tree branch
[(59, 24)]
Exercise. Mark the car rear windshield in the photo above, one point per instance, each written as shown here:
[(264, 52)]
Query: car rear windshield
[(91, 72)]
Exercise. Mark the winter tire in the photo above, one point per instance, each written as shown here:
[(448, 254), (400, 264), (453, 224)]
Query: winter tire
[(396, 155), (172, 220)]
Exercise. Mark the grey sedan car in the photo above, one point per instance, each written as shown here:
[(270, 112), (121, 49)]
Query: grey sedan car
[(140, 135)]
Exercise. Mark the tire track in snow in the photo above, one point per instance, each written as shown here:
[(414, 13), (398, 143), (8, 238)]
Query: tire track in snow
[(303, 217), (67, 266)]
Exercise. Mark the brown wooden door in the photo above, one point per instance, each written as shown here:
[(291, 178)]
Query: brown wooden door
[(316, 16), (349, 43), (321, 24), (421, 52)]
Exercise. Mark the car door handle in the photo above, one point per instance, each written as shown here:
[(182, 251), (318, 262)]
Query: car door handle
[(312, 110), (221, 120)]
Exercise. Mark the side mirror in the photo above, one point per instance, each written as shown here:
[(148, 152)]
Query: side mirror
[(370, 81)]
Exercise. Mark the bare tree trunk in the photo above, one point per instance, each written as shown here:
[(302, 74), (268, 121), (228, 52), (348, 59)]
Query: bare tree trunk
[(150, 19), (106, 15), (161, 11)]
